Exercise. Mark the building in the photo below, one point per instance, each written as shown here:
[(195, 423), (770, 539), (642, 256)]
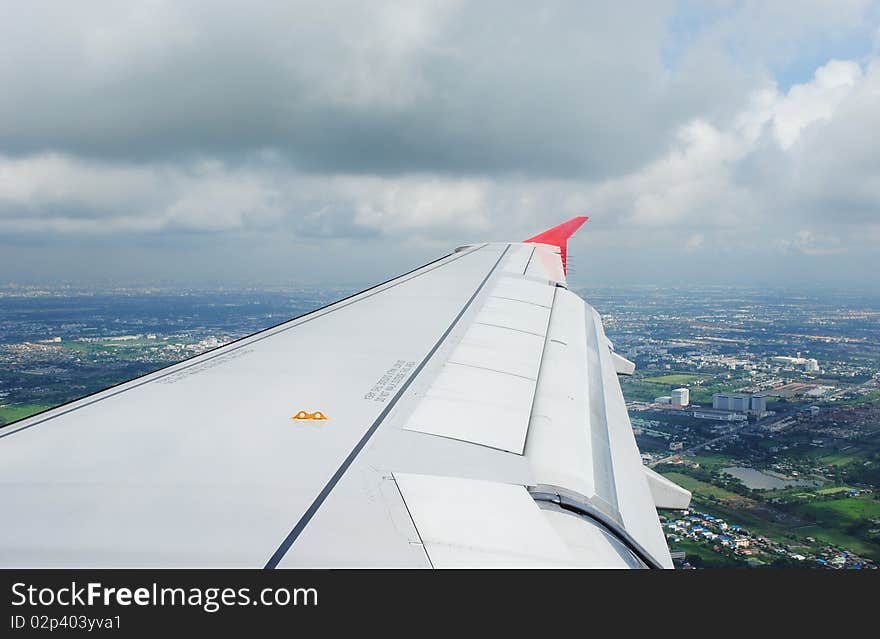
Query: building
[(665, 399), (680, 397), (676, 445), (758, 404), (720, 415), (807, 365), (740, 402), (731, 401)]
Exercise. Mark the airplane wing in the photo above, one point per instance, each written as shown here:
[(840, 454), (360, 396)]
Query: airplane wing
[(465, 414)]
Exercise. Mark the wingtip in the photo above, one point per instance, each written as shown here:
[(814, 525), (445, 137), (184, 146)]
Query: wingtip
[(558, 236)]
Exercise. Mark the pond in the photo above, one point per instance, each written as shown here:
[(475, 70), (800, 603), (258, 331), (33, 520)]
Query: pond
[(755, 479)]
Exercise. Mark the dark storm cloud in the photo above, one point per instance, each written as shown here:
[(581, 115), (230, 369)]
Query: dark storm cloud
[(543, 89)]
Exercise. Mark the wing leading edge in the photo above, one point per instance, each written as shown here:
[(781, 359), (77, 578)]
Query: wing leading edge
[(473, 418)]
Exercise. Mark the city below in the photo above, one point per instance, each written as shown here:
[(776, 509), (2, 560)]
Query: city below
[(765, 404)]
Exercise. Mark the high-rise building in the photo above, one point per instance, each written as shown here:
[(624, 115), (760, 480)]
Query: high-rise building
[(739, 402), (680, 397), (759, 404), (730, 401)]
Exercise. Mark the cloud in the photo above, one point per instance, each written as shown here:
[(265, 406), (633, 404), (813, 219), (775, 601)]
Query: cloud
[(452, 87), (815, 101), (52, 192), (809, 243), (687, 133), (694, 242)]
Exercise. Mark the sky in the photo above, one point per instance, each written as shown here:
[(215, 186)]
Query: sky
[(341, 143)]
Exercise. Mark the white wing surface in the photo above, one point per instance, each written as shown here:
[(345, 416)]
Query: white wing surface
[(466, 414)]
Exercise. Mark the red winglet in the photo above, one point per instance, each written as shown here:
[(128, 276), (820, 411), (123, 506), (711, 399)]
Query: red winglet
[(558, 236)]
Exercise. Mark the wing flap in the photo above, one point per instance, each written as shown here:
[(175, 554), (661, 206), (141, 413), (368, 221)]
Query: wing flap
[(519, 316), (518, 259), (521, 290), (484, 392), (466, 523), (500, 349), (476, 405)]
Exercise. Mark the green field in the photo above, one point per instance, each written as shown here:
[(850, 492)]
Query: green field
[(677, 379), (832, 490), (873, 396), (837, 459), (842, 512), (698, 487), (9, 414), (838, 522), (837, 538), (713, 462), (637, 390)]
